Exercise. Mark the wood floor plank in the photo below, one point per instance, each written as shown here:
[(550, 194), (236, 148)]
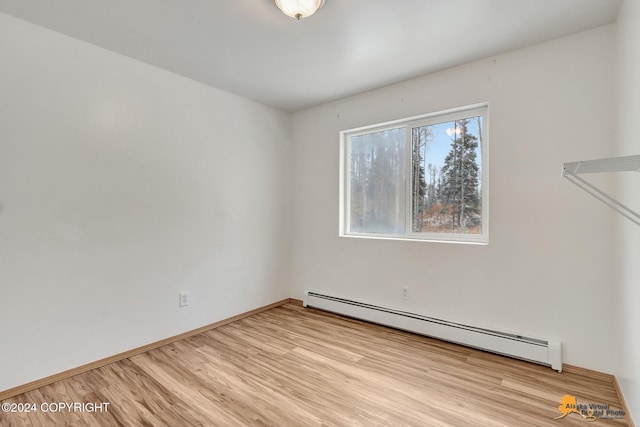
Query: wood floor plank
[(291, 366)]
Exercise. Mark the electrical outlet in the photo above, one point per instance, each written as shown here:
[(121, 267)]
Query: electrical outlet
[(184, 299), (405, 292)]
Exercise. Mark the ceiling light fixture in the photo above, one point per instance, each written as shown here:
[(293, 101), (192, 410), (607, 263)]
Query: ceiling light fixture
[(299, 8)]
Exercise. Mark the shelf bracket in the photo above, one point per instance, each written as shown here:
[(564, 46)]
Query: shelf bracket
[(571, 170)]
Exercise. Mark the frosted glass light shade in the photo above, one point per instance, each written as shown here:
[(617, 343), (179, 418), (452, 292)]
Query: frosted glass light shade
[(299, 8)]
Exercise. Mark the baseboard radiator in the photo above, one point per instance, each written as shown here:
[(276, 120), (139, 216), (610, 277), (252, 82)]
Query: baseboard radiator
[(541, 351)]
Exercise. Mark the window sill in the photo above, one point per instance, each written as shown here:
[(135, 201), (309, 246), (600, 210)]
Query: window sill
[(455, 238)]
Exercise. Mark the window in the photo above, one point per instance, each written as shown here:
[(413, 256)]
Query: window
[(423, 178)]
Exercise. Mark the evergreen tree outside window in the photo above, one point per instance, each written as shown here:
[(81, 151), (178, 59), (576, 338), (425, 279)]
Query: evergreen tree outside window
[(423, 178)]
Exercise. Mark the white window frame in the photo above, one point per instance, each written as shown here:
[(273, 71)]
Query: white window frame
[(409, 123)]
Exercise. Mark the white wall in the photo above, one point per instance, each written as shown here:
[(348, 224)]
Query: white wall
[(548, 268), (628, 234), (121, 185)]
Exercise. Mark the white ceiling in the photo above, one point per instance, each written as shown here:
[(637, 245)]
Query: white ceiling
[(248, 47)]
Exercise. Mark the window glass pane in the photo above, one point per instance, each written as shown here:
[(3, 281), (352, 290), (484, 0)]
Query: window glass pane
[(446, 190), (377, 191)]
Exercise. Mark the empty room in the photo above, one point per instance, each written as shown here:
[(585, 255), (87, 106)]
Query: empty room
[(319, 213)]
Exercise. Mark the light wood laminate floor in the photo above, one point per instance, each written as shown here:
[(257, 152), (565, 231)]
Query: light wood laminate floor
[(291, 366)]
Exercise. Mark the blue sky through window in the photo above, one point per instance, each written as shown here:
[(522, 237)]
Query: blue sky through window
[(441, 143)]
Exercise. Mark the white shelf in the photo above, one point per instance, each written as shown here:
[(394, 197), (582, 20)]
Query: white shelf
[(614, 164), (571, 170)]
